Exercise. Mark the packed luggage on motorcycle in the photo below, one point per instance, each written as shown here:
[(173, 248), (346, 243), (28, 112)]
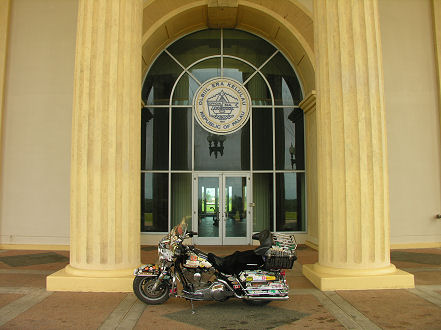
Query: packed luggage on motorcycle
[(255, 276)]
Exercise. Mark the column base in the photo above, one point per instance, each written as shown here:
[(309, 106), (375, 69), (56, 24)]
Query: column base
[(331, 279), (107, 281)]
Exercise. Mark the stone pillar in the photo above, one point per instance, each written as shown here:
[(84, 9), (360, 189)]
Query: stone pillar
[(354, 242), (105, 162)]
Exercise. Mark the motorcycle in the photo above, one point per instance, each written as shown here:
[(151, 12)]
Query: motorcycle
[(255, 276)]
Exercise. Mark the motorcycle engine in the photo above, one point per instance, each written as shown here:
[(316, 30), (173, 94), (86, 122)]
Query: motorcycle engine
[(198, 277), (197, 270)]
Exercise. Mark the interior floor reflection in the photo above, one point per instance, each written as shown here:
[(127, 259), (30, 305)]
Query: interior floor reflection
[(209, 227)]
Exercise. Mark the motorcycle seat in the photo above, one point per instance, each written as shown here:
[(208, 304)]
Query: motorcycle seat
[(236, 262), (241, 260)]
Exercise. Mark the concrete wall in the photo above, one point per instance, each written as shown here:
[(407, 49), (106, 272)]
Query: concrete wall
[(35, 174), (37, 122), (412, 120)]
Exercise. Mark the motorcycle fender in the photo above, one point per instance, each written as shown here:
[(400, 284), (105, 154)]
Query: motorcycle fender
[(147, 270)]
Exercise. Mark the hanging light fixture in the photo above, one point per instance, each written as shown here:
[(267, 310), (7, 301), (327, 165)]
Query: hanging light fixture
[(216, 144), (292, 152)]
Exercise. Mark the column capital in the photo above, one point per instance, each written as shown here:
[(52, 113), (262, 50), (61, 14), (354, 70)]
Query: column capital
[(309, 102)]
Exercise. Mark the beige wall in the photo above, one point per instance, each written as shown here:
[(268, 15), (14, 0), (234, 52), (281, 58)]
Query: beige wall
[(412, 120), (34, 200), (4, 31), (37, 122)]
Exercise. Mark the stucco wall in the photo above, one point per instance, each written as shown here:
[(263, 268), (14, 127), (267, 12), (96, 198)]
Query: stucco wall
[(34, 200), (412, 120)]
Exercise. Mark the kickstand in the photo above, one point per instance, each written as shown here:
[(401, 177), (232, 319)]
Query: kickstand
[(192, 308)]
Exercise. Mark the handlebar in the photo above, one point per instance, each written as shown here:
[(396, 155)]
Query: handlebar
[(191, 233)]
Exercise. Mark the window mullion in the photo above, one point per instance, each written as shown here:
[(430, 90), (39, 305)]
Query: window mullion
[(183, 67)]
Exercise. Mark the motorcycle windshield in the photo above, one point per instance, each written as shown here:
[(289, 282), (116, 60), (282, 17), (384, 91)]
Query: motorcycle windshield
[(181, 229)]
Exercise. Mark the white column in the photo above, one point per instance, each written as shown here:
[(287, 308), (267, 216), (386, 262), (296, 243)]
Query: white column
[(354, 242), (105, 166)]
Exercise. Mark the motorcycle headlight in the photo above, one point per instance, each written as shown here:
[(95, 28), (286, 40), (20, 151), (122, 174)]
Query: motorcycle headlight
[(165, 254)]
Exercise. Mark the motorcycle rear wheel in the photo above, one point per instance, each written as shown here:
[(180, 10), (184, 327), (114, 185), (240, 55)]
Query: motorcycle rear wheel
[(142, 287)]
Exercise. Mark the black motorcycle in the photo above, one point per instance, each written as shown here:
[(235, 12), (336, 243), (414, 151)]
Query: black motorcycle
[(255, 276)]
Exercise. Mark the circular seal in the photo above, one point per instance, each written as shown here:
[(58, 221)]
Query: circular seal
[(222, 105)]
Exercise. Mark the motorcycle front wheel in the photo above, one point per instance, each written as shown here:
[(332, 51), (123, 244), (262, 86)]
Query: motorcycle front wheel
[(142, 286)]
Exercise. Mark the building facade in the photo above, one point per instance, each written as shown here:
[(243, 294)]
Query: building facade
[(320, 118)]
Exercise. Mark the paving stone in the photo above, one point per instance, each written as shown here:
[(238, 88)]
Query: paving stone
[(235, 314), (416, 257), (427, 278), (298, 282), (6, 298), (395, 309), (33, 259), (306, 307), (68, 310), (153, 316), (318, 317), (23, 280)]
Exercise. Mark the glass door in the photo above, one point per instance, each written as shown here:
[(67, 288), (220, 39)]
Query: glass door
[(207, 209), (221, 209), (235, 207)]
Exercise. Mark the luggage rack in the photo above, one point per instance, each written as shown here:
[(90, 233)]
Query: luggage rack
[(283, 252)]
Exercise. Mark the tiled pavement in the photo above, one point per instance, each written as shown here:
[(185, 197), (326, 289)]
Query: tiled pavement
[(25, 304)]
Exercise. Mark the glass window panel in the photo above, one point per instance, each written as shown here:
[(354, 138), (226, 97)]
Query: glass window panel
[(154, 135), (259, 91), (262, 139), (154, 202), (237, 70), (206, 70), (181, 139), (183, 93), (283, 81), (263, 200), (227, 153), (290, 202), (185, 90), (160, 80), (246, 45), (290, 152), (181, 198), (196, 46)]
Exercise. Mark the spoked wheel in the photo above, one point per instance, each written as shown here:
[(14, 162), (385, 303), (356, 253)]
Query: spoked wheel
[(143, 285), (256, 302)]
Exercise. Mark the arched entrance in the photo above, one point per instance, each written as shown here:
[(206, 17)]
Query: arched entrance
[(228, 175), (165, 24)]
